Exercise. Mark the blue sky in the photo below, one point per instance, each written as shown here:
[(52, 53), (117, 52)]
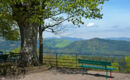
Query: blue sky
[(115, 23)]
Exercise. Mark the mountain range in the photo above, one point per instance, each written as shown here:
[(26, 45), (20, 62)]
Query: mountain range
[(94, 47), (121, 39), (98, 47)]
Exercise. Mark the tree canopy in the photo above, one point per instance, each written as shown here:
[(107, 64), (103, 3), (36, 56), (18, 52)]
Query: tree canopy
[(35, 10), (28, 15)]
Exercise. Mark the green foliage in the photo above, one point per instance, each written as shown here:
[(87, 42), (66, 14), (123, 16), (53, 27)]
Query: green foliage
[(16, 12), (8, 30), (8, 27), (78, 9), (38, 9), (17, 50), (127, 60), (115, 65)]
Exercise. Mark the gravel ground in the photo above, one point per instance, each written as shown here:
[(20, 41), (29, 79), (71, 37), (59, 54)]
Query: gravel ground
[(92, 75), (55, 75)]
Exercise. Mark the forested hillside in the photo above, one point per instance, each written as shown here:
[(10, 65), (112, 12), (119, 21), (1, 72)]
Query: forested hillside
[(56, 43), (93, 47), (96, 47), (7, 45)]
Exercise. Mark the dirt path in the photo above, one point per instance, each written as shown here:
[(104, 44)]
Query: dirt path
[(55, 75), (93, 75)]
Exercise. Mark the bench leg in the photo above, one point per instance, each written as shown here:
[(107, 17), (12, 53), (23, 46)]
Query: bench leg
[(106, 74), (110, 73), (82, 71), (87, 71)]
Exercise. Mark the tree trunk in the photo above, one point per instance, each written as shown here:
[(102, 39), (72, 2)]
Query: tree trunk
[(28, 32), (40, 46)]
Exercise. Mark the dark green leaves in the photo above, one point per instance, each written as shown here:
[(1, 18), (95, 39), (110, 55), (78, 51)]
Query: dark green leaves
[(33, 11)]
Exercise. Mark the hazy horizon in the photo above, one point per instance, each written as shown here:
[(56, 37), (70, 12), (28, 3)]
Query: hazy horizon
[(85, 38)]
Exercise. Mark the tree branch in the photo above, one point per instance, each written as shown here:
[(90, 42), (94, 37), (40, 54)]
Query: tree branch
[(58, 23)]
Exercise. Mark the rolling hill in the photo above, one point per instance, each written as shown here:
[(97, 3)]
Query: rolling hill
[(56, 43), (97, 47), (94, 47), (6, 45)]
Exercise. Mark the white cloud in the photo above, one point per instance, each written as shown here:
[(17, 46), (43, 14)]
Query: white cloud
[(90, 24)]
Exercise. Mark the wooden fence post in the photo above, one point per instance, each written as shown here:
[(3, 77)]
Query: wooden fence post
[(76, 60), (56, 60)]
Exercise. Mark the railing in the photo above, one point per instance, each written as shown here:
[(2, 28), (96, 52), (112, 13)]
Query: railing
[(61, 60), (9, 57)]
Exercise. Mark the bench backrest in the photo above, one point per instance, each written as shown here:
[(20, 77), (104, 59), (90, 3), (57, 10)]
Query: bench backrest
[(14, 56), (1, 52), (3, 57), (94, 62)]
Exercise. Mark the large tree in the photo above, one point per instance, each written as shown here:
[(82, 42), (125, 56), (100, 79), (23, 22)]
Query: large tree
[(28, 14)]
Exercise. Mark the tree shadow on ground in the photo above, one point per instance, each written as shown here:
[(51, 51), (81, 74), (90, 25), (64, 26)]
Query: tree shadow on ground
[(79, 71), (98, 75)]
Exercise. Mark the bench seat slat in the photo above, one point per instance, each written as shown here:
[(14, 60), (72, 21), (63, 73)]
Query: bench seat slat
[(96, 67), (13, 58)]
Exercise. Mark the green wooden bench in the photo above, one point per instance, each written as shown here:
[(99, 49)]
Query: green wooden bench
[(14, 56), (1, 52), (3, 57), (86, 64)]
